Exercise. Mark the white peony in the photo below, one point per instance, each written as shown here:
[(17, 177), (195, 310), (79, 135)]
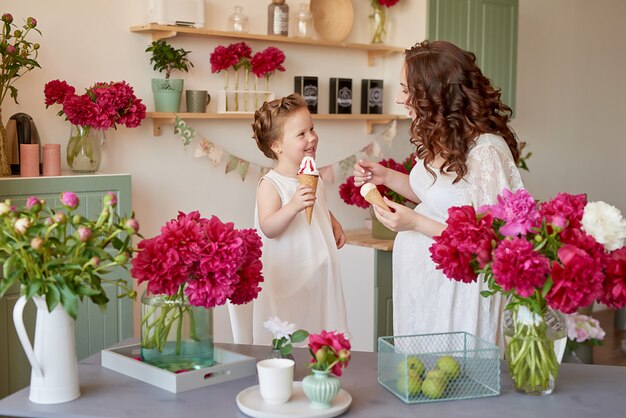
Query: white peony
[(279, 328), (605, 223)]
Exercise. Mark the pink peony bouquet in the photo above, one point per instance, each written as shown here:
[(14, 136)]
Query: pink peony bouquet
[(204, 260), (102, 106), (330, 351), (564, 254), (351, 194)]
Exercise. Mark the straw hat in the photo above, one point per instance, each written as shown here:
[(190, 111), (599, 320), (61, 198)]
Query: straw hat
[(332, 18)]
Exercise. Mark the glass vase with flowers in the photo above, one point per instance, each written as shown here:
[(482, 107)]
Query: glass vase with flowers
[(18, 56), (378, 20), (193, 265), (546, 258), (102, 106), (285, 335), (331, 354)]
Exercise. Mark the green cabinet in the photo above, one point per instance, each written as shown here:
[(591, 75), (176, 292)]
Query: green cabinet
[(488, 28), (94, 328)]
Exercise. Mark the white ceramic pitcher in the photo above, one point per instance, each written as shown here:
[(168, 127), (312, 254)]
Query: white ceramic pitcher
[(54, 376)]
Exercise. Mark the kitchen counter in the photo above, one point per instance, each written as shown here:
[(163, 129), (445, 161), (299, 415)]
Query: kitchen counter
[(582, 391)]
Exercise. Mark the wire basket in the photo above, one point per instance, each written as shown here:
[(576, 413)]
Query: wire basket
[(438, 367)]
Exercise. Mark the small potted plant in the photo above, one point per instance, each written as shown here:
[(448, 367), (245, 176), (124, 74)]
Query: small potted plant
[(285, 335), (167, 91)]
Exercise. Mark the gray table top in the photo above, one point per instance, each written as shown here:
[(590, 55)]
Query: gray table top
[(582, 391)]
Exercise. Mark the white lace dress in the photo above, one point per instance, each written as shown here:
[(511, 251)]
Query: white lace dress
[(424, 299)]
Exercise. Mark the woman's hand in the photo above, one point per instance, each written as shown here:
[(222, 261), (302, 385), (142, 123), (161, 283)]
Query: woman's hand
[(302, 198), (401, 218), (369, 172), (406, 219)]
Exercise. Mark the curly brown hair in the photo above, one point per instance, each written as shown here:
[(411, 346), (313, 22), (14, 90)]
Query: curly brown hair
[(454, 103), (269, 121)]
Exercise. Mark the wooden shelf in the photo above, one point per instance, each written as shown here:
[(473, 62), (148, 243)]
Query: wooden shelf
[(165, 31), (167, 118)]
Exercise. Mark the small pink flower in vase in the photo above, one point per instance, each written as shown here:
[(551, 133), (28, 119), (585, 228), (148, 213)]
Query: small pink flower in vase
[(331, 354), (264, 64), (583, 332), (236, 55)]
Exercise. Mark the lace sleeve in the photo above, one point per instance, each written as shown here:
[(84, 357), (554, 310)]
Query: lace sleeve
[(490, 170)]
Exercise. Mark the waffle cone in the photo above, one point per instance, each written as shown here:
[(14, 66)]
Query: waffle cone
[(309, 181), (374, 197)]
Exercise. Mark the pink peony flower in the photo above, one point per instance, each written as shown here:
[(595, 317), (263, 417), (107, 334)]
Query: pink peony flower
[(57, 91), (564, 210), (351, 194), (330, 350), (614, 292), (577, 280), (266, 62), (31, 202), (222, 58), (110, 199), (518, 211), (517, 266), (69, 200), (386, 3)]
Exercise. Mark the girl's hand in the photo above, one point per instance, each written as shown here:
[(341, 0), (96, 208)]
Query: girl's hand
[(369, 172), (302, 198), (339, 234)]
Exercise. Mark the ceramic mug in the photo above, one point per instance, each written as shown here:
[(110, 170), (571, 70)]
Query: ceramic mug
[(197, 100), (275, 379)]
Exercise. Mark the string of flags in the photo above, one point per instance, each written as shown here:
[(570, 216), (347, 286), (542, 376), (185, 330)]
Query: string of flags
[(215, 154)]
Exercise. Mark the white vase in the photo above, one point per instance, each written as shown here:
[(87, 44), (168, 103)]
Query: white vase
[(54, 375)]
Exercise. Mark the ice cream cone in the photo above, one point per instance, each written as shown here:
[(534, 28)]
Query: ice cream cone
[(309, 180), (371, 194)]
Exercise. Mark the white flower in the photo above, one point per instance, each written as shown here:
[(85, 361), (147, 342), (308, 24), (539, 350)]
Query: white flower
[(279, 328), (605, 224)]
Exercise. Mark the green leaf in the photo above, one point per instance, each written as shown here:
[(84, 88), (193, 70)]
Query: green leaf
[(5, 284), (32, 288), (286, 349), (52, 297), (299, 336), (69, 302), (9, 265), (100, 299)]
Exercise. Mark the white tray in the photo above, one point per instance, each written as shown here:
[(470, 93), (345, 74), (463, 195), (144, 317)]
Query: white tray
[(250, 403), (230, 366)]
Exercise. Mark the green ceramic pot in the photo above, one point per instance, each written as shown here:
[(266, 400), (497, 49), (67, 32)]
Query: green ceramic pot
[(321, 388)]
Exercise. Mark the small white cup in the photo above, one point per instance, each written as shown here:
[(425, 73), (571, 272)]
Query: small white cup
[(275, 379)]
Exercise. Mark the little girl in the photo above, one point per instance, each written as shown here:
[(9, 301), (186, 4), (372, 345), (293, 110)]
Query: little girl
[(300, 262)]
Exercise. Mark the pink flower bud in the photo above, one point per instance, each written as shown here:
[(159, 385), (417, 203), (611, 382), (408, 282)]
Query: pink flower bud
[(69, 200), (7, 17), (31, 22), (84, 233), (344, 356), (110, 199), (34, 204), (320, 355), (49, 222), (76, 219), (132, 226), (95, 261), (10, 49), (21, 225), (36, 243), (60, 217)]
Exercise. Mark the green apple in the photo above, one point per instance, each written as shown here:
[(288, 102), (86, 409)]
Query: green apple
[(437, 374), (410, 384), (433, 388), (449, 366), (410, 363)]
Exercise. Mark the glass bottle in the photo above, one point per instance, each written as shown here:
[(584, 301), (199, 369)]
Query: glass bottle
[(304, 22), (238, 22), (278, 18)]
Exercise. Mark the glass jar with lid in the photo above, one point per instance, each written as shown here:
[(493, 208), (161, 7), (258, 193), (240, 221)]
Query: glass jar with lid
[(238, 22), (304, 22)]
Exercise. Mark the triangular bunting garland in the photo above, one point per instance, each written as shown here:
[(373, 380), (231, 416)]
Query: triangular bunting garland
[(185, 131)]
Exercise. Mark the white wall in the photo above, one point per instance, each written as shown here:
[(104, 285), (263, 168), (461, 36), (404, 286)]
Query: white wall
[(571, 97), (85, 41)]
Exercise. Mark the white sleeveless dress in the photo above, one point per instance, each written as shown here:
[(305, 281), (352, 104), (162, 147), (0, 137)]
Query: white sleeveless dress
[(301, 270), (424, 299)]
